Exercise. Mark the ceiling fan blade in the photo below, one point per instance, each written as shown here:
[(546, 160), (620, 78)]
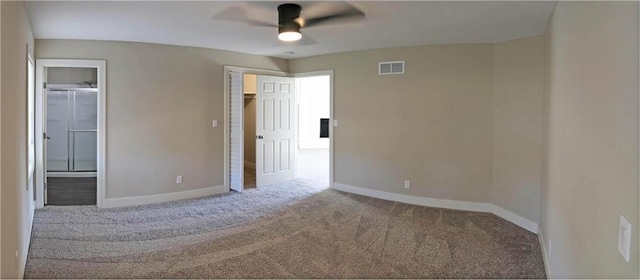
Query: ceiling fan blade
[(235, 13), (240, 14), (349, 14), (260, 23)]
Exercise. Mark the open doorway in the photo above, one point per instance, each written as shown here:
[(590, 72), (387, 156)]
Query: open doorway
[(262, 131), (70, 118), (72, 126), (313, 129)]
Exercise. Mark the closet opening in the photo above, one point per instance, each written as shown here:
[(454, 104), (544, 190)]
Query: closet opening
[(249, 94)]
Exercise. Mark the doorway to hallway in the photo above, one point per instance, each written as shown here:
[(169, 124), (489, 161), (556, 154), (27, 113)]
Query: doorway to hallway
[(313, 130), (301, 105)]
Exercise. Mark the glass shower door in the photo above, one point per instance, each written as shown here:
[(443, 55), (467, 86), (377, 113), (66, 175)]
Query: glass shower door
[(57, 130), (83, 134), (72, 128)]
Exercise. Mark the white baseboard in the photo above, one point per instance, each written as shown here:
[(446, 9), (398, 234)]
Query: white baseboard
[(416, 200), (515, 218), (165, 197), (249, 164), (72, 174), (545, 254), (442, 203)]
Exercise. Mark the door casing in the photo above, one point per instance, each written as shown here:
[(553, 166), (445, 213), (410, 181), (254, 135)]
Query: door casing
[(332, 121), (227, 98), (227, 111), (41, 119)]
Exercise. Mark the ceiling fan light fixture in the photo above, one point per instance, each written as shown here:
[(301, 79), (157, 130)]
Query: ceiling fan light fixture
[(289, 36), (289, 31), (288, 27)]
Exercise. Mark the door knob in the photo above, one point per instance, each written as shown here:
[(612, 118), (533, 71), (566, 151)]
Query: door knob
[(259, 137)]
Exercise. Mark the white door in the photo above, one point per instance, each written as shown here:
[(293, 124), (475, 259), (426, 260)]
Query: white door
[(236, 158), (45, 135), (275, 130)]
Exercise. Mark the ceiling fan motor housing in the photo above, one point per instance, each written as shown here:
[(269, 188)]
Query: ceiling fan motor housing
[(287, 15)]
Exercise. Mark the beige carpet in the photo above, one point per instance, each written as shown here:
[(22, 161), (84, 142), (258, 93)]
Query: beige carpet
[(298, 229), (329, 235)]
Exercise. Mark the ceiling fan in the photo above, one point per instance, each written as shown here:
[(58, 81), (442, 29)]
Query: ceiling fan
[(291, 19)]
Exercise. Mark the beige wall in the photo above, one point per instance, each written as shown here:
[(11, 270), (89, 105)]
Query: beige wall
[(160, 103), (16, 200), (518, 73), (432, 125), (591, 167), (250, 130)]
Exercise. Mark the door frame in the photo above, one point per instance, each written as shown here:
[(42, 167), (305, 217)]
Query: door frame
[(101, 66), (227, 111), (331, 114)]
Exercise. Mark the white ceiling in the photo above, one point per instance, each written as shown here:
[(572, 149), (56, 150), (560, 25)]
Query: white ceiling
[(199, 24)]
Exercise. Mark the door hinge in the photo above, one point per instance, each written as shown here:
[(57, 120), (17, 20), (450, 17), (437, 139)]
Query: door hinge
[(44, 85)]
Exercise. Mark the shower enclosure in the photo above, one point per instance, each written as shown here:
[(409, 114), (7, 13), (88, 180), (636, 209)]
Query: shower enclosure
[(72, 128)]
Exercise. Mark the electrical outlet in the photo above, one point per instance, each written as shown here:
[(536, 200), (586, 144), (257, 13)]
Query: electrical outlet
[(407, 184), (624, 238), (179, 180)]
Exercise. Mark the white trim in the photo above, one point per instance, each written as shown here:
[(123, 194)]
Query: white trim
[(249, 164), (331, 114), (165, 197), (515, 218), (227, 106), (545, 254), (72, 174), (31, 166), (101, 66), (442, 203), (416, 200)]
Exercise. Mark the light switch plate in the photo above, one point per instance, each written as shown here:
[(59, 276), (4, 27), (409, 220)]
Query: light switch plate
[(214, 123), (335, 123), (624, 238)]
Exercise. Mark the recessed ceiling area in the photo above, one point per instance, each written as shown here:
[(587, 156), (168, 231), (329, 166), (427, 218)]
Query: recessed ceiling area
[(203, 24)]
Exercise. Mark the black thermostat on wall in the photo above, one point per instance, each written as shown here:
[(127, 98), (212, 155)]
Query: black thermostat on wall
[(324, 128)]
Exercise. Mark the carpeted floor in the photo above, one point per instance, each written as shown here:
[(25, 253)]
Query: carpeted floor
[(298, 229)]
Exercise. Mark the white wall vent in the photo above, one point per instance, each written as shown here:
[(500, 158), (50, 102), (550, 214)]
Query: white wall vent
[(391, 67)]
